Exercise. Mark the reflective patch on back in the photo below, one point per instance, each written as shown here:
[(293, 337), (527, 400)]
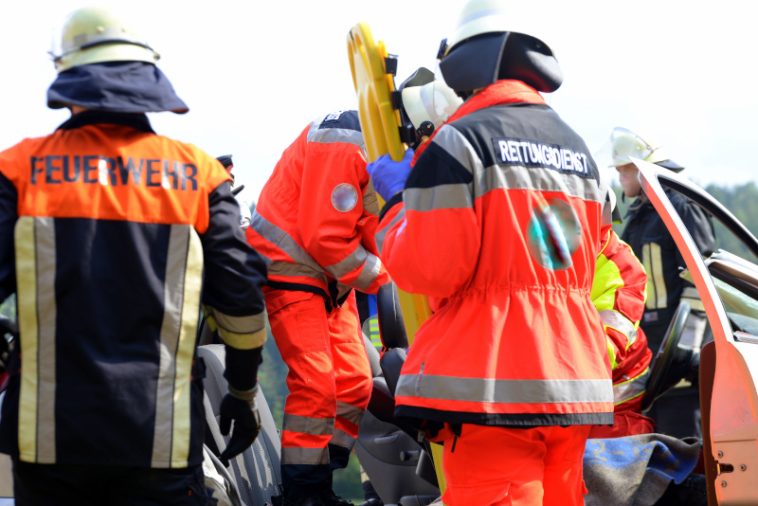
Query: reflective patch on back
[(344, 197), (553, 233)]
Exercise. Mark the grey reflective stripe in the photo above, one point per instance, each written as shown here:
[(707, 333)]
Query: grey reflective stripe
[(348, 412), (447, 196), (380, 236), (307, 456), (349, 263), (628, 390), (621, 323), (504, 391), (331, 135), (515, 177), (276, 235), (308, 425), (287, 269), (173, 302), (343, 439), (452, 141), (44, 236), (239, 324), (371, 269)]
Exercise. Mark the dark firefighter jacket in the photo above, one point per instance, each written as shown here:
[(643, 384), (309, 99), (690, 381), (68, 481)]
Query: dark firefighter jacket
[(106, 231), (651, 242)]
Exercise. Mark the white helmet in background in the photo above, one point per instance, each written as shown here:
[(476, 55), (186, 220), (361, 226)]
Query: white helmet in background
[(433, 102), (97, 35), (498, 39), (426, 103), (626, 145)]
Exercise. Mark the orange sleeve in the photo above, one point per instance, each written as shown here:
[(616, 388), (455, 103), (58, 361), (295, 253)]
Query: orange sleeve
[(332, 216), (430, 241), (619, 293)]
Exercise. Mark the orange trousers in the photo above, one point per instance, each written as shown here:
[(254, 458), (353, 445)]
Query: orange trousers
[(329, 382), (498, 466)]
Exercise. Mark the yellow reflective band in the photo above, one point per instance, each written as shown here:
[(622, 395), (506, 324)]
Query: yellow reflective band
[(656, 261), (239, 324), (650, 288), (611, 354), (26, 280), (247, 341), (185, 351)]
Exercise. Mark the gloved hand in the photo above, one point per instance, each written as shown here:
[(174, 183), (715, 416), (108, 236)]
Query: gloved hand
[(389, 176), (247, 422)]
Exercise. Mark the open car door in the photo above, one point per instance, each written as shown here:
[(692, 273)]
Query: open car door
[(728, 365)]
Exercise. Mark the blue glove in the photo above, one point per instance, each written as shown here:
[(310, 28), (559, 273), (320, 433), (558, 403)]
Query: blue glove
[(389, 176)]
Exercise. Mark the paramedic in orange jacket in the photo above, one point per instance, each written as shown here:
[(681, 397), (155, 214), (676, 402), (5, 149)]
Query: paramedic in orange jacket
[(315, 223), (106, 232), (618, 292), (500, 223)]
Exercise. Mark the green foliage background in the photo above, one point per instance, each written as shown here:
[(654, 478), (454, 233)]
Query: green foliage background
[(271, 376)]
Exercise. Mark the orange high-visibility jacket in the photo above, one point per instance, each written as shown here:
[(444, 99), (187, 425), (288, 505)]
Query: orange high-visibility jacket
[(315, 219), (500, 224), (619, 293)]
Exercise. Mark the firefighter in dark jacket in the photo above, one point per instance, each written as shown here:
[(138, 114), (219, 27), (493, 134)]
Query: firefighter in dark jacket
[(112, 236), (647, 235)]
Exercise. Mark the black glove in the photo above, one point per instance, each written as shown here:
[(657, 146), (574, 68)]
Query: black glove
[(240, 407)]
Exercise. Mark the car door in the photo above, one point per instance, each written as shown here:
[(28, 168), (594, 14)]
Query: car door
[(729, 365)]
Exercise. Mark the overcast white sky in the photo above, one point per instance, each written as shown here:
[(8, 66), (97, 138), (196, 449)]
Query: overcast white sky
[(255, 73)]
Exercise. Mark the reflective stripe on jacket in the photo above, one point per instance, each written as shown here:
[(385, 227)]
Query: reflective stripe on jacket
[(315, 218), (618, 292), (500, 224), (114, 228)]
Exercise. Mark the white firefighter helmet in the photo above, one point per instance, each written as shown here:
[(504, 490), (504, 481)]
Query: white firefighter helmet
[(433, 102), (479, 17), (499, 39), (97, 35), (626, 145)]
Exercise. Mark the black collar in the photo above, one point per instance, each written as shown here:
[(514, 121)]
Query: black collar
[(134, 120)]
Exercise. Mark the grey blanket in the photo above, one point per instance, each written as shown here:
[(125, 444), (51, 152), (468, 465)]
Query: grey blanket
[(636, 470)]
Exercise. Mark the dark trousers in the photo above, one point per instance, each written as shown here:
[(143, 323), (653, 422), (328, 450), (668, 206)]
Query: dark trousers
[(64, 485)]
